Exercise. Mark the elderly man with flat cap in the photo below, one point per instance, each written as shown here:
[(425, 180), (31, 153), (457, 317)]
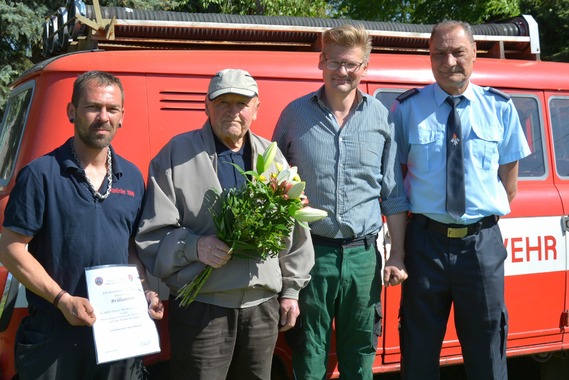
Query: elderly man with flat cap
[(230, 329)]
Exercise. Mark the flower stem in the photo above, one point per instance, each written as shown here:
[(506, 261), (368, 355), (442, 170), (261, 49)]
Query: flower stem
[(189, 291)]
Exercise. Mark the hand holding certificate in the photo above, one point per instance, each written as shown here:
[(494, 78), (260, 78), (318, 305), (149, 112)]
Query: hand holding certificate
[(123, 327)]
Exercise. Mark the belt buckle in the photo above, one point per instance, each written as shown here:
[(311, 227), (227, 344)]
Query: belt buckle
[(457, 233)]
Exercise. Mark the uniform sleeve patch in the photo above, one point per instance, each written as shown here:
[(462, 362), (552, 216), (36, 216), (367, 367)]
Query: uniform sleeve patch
[(498, 92), (407, 94)]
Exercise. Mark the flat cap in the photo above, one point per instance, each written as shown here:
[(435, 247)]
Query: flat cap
[(232, 81)]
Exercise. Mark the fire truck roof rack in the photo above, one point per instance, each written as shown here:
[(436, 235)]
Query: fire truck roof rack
[(79, 26)]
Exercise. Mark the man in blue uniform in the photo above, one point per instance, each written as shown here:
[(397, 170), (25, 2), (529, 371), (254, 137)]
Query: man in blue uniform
[(73, 208), (454, 249)]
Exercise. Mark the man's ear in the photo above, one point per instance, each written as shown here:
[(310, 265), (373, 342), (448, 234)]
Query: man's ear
[(321, 61), (207, 101), (71, 112)]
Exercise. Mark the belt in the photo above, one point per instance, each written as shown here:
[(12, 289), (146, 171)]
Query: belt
[(366, 240), (455, 231)]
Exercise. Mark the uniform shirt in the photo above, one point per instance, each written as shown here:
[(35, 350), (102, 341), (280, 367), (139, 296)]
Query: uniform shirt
[(71, 229), (491, 134), (347, 170)]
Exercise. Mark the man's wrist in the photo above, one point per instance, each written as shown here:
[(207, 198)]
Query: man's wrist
[(58, 297)]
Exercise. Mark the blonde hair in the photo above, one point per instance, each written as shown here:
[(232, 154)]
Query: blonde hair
[(348, 36)]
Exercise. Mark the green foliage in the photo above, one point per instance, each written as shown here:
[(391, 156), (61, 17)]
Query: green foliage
[(154, 5), (306, 8), (20, 31), (256, 219), (552, 17), (474, 12), (428, 11), (382, 10)]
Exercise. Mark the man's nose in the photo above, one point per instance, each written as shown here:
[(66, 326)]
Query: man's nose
[(104, 115)]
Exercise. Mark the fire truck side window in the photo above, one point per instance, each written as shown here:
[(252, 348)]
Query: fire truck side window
[(532, 166), (559, 111), (387, 97), (12, 129)]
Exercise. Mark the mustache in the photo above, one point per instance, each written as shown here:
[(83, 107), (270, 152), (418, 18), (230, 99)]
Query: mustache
[(100, 127)]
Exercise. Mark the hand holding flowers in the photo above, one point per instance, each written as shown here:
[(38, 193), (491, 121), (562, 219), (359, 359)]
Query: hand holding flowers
[(255, 220)]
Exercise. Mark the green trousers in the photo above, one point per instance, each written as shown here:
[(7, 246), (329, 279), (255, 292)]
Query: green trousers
[(344, 289)]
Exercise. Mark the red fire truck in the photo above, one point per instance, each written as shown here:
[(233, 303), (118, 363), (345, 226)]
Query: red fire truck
[(165, 61)]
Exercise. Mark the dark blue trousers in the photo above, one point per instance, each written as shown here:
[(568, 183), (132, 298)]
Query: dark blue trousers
[(467, 273), (49, 348)]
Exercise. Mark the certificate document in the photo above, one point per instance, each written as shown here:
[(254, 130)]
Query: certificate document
[(123, 328)]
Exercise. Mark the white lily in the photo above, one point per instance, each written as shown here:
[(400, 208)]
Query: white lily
[(264, 162), (309, 214), (296, 190), (287, 175)]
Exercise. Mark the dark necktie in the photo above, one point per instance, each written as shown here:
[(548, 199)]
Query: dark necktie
[(455, 197)]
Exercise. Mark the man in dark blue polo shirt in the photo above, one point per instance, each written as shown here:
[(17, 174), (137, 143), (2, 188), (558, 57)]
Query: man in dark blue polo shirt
[(73, 208)]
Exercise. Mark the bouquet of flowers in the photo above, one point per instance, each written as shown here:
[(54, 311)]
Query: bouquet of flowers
[(255, 220)]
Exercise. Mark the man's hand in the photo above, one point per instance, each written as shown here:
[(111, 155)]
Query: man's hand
[(394, 272), (289, 312), (155, 306), (213, 252), (77, 310)]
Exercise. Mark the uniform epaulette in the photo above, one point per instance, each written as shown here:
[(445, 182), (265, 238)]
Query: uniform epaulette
[(407, 94), (496, 91)]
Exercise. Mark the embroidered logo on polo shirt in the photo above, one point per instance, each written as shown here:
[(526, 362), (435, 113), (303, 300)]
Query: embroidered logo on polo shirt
[(123, 191)]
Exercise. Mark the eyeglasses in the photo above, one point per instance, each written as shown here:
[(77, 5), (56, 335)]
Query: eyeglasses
[(351, 67)]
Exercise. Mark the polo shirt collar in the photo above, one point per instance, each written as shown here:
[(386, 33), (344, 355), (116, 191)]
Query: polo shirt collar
[(70, 164)]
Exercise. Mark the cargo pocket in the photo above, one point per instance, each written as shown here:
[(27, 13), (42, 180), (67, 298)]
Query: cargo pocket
[(378, 324)]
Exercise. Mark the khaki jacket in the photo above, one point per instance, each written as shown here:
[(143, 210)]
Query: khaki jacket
[(175, 216)]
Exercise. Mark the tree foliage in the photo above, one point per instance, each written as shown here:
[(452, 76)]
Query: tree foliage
[(18, 37), (21, 28), (428, 11), (552, 17), (474, 12), (304, 8)]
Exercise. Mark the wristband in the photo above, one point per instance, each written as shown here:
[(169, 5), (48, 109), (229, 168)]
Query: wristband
[(58, 297)]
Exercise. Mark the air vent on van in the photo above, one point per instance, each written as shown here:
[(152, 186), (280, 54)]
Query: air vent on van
[(182, 100)]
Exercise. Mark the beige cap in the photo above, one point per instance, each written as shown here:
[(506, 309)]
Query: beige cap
[(232, 81)]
